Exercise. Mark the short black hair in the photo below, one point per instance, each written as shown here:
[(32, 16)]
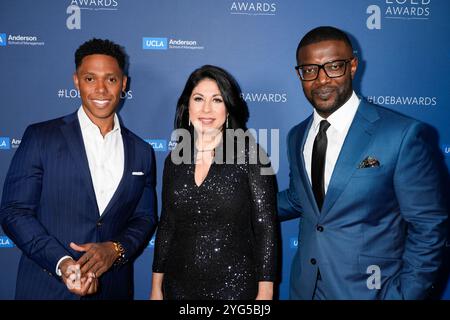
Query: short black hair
[(323, 33), (101, 46), (231, 93)]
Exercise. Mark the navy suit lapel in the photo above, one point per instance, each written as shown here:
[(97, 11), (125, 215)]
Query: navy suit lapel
[(298, 147), (358, 138), (128, 148), (72, 133)]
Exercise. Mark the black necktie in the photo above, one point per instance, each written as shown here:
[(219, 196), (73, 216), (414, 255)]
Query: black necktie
[(318, 163)]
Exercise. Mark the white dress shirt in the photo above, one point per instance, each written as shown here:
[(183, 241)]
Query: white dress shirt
[(106, 161), (105, 157), (340, 122)]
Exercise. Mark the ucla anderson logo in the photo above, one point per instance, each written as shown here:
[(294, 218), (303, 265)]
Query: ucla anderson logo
[(172, 144), (2, 39), (170, 43), (6, 242), (293, 243), (18, 39), (154, 43), (158, 145), (446, 149), (5, 143), (151, 243), (15, 143)]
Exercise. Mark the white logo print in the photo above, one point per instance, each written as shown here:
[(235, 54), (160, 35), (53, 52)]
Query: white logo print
[(74, 20), (374, 280), (374, 20)]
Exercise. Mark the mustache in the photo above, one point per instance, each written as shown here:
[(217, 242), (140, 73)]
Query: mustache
[(323, 90)]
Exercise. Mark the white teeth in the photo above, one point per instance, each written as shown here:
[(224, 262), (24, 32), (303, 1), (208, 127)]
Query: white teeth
[(101, 102)]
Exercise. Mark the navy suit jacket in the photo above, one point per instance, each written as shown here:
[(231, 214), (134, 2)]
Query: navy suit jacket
[(49, 201), (385, 222)]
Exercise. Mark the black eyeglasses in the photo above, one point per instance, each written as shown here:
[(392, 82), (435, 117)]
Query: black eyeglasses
[(333, 69)]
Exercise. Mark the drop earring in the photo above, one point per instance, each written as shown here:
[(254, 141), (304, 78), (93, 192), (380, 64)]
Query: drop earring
[(226, 125), (189, 122)]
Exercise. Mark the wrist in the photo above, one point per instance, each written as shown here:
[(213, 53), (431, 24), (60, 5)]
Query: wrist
[(62, 265), (120, 253), (265, 290)]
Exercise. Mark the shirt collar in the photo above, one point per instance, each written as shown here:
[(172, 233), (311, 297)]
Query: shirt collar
[(87, 124), (342, 117)]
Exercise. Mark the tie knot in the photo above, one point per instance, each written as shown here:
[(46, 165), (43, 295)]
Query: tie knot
[(324, 125)]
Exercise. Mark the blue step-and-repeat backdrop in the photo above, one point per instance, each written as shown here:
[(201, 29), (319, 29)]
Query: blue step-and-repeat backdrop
[(402, 45)]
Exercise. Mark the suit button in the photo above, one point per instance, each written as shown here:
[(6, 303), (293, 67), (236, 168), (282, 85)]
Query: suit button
[(319, 228), (313, 261), (99, 223)]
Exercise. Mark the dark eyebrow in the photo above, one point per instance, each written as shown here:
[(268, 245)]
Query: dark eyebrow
[(94, 74)]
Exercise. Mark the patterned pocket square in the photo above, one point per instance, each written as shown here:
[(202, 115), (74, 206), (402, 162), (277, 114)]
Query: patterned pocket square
[(369, 162), (137, 173)]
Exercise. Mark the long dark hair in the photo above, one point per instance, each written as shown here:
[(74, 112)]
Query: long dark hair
[(235, 105)]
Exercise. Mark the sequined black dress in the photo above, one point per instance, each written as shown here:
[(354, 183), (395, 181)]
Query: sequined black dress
[(216, 240)]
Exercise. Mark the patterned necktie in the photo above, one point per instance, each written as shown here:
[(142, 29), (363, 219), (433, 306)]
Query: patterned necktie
[(318, 163)]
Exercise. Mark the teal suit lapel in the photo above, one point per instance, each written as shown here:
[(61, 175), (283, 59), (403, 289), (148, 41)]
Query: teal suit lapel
[(358, 138), (299, 145)]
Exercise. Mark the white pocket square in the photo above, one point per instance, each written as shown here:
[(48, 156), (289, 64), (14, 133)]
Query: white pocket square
[(137, 173)]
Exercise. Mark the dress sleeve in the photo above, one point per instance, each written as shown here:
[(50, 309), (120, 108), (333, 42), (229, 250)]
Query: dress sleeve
[(166, 227), (262, 184)]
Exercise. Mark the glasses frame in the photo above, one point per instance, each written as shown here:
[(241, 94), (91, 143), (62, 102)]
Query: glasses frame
[(322, 66)]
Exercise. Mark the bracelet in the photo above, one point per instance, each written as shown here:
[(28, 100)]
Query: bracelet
[(120, 253)]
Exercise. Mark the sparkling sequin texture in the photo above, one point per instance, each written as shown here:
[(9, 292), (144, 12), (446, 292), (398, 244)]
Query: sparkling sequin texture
[(216, 241)]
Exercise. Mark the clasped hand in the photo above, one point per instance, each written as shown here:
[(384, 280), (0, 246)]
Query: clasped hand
[(81, 277)]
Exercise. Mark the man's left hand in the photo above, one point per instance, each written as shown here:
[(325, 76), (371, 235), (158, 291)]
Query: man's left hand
[(97, 257)]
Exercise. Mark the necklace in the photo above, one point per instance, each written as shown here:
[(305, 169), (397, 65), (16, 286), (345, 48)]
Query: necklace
[(213, 149), (201, 152), (204, 150)]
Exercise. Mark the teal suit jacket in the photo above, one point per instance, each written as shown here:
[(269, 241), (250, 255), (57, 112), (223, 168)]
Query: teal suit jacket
[(383, 223)]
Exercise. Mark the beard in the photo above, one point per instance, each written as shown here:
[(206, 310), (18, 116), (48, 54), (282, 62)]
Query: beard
[(328, 98)]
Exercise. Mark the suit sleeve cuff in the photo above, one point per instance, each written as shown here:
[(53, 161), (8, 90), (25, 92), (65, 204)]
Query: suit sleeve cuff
[(58, 271)]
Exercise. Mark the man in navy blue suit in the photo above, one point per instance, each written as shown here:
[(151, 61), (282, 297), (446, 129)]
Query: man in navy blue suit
[(79, 197), (365, 182)]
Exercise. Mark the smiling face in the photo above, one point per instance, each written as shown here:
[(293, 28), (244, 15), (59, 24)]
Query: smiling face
[(324, 93), (207, 110), (100, 82)]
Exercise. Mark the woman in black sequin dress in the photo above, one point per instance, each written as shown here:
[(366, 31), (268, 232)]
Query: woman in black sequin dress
[(217, 238)]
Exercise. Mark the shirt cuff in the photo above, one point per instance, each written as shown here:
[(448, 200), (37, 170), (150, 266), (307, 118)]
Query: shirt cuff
[(58, 271)]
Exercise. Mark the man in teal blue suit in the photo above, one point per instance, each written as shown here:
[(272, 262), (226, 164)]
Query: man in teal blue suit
[(365, 182)]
